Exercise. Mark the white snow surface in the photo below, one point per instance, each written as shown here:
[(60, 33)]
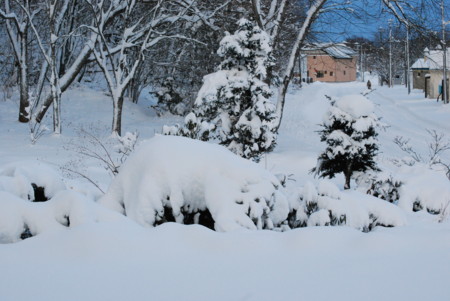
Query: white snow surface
[(103, 255)]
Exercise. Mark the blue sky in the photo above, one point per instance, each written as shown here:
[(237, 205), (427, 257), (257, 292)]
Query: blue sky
[(367, 17)]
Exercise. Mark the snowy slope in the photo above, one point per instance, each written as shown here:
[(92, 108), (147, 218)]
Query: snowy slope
[(121, 260)]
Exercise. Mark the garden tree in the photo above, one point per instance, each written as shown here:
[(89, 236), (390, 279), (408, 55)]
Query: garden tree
[(349, 130), (233, 104), (17, 25)]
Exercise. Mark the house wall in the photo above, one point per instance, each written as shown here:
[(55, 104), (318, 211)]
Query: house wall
[(434, 83), (333, 70), (419, 79)]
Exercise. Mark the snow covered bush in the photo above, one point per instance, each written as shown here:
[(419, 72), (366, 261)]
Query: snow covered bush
[(326, 205), (169, 99), (32, 181), (178, 179), (379, 184), (423, 189), (349, 132), (425, 176), (21, 219), (233, 104)]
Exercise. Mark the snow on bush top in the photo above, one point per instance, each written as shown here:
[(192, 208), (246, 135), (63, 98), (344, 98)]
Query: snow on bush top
[(356, 105), (189, 176)]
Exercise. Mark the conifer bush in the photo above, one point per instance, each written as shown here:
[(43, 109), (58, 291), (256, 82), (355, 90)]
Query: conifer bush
[(349, 131)]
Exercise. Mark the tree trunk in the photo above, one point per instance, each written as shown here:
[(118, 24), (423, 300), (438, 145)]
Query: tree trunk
[(24, 107), (348, 176), (117, 115), (54, 78)]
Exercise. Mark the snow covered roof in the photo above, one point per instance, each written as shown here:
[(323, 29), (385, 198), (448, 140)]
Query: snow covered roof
[(421, 64), (339, 51), (435, 59)]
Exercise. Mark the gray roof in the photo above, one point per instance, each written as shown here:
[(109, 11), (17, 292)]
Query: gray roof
[(338, 51), (421, 64)]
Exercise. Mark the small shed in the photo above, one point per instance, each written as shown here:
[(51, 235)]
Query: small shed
[(435, 59), (420, 69)]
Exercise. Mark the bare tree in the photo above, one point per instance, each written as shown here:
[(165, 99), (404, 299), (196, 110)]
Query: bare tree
[(17, 25), (120, 55)]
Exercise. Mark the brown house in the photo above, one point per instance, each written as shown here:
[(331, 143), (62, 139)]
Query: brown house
[(328, 63)]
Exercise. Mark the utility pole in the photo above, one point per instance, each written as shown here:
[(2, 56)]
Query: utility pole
[(362, 63), (444, 49), (408, 63), (390, 53)]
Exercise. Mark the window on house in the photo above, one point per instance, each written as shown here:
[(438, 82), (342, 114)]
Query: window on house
[(319, 74), (314, 57), (325, 71), (331, 73), (418, 74), (345, 72)]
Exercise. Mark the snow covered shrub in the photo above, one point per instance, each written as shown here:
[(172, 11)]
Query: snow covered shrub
[(349, 132), (32, 181), (20, 219), (425, 176), (423, 189), (169, 99), (233, 103), (178, 179), (326, 205), (381, 185)]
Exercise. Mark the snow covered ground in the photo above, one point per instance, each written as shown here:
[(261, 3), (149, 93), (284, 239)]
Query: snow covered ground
[(117, 259)]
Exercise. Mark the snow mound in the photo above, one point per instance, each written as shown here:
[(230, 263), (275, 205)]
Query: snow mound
[(356, 105), (328, 206), (23, 179), (171, 178), (20, 219)]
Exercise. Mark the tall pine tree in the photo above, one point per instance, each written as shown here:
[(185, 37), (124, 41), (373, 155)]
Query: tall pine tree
[(233, 104), (349, 131)]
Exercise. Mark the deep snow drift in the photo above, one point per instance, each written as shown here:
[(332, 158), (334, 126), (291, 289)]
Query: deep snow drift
[(102, 255)]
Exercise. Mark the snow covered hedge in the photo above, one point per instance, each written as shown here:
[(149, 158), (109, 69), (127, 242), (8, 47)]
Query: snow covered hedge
[(171, 178), (326, 205)]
